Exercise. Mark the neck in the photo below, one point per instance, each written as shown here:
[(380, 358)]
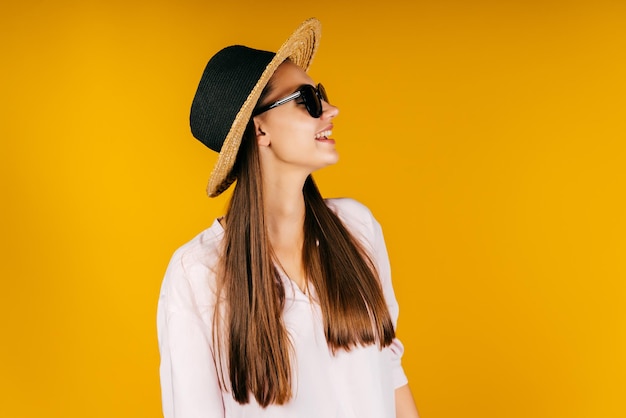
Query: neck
[(284, 214)]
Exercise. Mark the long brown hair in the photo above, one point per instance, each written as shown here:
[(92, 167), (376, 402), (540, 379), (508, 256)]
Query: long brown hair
[(251, 339)]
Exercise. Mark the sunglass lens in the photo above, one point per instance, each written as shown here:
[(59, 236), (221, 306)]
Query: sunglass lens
[(312, 97), (321, 91), (311, 101)]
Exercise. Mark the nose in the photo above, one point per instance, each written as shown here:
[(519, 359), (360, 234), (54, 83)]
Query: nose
[(329, 111)]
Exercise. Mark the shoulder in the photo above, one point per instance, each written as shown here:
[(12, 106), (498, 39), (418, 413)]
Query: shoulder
[(355, 215), (202, 250), (350, 210), (192, 267), (347, 206)]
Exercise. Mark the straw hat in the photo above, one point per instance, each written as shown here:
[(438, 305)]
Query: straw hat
[(229, 90)]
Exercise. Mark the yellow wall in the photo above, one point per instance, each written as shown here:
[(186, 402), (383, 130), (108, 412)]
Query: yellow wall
[(487, 136)]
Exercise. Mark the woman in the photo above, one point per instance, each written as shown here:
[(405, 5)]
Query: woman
[(284, 307)]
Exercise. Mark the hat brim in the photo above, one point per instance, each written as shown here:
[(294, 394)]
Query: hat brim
[(299, 48)]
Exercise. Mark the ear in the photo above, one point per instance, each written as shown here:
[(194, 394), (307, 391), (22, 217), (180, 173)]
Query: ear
[(263, 139)]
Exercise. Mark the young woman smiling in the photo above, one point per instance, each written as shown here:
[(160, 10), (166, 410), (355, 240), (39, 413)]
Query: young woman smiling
[(284, 307)]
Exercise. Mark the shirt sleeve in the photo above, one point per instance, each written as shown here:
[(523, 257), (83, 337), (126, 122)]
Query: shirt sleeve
[(189, 379), (381, 259)]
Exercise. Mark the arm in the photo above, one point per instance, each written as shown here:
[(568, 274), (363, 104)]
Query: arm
[(372, 237), (405, 405), (189, 382)]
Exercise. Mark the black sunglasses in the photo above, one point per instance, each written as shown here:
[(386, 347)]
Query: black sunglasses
[(311, 97)]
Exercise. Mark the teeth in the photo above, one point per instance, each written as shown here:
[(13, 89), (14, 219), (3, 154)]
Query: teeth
[(324, 134)]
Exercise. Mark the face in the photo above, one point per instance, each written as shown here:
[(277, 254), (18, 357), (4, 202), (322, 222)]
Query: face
[(289, 138)]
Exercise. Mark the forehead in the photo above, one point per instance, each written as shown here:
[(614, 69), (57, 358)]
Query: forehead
[(287, 78)]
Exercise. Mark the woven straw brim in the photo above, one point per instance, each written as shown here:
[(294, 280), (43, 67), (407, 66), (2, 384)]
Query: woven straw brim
[(300, 49)]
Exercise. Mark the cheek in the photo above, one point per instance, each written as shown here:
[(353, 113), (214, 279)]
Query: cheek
[(293, 130), (293, 143)]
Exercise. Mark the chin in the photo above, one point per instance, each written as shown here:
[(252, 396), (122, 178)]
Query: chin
[(325, 160), (332, 159)]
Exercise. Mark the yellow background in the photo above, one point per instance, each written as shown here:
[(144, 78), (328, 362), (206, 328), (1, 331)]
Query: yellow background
[(486, 136)]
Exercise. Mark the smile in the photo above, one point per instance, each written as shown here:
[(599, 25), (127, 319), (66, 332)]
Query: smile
[(323, 134)]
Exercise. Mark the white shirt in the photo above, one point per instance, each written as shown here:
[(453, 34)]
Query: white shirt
[(359, 383)]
